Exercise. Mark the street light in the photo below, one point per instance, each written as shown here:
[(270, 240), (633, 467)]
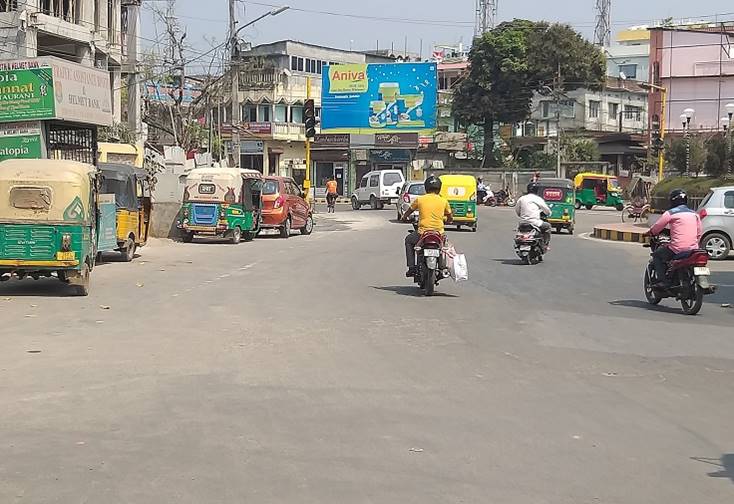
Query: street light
[(685, 119), (730, 110), (726, 122)]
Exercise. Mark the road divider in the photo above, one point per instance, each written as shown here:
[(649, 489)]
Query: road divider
[(630, 233)]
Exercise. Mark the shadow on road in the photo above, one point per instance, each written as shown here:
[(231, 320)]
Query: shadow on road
[(44, 287), (725, 463), (510, 262), (644, 305), (410, 291)]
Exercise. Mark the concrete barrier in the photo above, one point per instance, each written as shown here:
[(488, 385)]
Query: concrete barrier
[(163, 220), (632, 233)]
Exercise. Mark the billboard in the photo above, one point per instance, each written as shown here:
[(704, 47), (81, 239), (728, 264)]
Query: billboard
[(20, 141), (379, 98), (26, 92)]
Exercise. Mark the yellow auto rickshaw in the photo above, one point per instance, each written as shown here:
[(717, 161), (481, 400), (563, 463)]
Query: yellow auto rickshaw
[(461, 192), (132, 198)]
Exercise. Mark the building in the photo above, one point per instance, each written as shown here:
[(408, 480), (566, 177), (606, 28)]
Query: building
[(630, 57), (272, 90), (696, 66)]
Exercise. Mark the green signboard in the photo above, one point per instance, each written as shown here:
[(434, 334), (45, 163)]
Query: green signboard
[(20, 147), (27, 94)]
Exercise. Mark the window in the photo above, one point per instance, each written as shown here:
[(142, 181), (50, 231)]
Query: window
[(281, 113), (249, 113), (613, 111), (594, 109), (300, 64), (319, 67), (8, 5), (629, 71), (263, 113), (546, 109), (294, 63), (363, 183), (296, 114), (270, 187), (375, 181), (632, 113), (417, 189), (392, 178), (729, 199), (31, 198), (308, 65)]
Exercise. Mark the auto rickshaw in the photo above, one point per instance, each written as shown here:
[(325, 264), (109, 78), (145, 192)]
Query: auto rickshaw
[(461, 192), (560, 196), (49, 220), (133, 205), (221, 202), (595, 189)]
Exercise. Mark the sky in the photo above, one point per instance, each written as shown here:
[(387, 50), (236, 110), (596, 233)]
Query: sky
[(367, 24)]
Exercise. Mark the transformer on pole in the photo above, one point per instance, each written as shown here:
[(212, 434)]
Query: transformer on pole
[(486, 16), (603, 32)]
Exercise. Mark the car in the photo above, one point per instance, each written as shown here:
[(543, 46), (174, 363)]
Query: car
[(284, 207), (717, 216), (378, 188), (408, 194)]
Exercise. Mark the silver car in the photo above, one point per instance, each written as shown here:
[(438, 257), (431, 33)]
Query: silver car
[(408, 194), (717, 216)]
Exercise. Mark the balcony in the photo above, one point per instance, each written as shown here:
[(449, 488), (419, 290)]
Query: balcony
[(259, 79), (275, 131)]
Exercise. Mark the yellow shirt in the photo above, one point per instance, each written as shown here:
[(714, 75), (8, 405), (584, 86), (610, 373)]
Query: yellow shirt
[(431, 209)]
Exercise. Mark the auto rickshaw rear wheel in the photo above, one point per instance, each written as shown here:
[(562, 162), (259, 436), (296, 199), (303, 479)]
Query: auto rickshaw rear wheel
[(81, 282), (235, 235), (128, 251)]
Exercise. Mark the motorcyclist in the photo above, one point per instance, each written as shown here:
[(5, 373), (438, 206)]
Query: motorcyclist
[(432, 209), (685, 234), (481, 190), (530, 209), (331, 193)]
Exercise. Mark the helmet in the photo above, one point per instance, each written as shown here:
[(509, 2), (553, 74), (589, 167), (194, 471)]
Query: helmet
[(533, 188), (433, 184), (678, 197)]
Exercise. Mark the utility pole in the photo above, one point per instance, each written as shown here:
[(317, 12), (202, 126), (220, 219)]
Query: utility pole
[(132, 30), (557, 92), (603, 31), (235, 74), (486, 16)]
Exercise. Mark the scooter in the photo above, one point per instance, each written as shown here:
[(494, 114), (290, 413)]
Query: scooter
[(530, 244), (688, 275), (431, 260)]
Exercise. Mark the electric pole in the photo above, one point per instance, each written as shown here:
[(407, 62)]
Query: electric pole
[(486, 16), (234, 70), (603, 32)]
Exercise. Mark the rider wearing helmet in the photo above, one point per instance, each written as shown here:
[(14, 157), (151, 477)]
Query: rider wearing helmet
[(432, 209), (530, 209), (685, 233)]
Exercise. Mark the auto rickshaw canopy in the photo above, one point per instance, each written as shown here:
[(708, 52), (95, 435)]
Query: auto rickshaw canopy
[(612, 183), (458, 187), (46, 190), (220, 185), (120, 179)]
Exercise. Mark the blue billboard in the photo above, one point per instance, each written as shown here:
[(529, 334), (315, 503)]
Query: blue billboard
[(379, 98)]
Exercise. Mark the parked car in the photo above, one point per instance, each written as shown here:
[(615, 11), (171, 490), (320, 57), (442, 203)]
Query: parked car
[(717, 216), (378, 188), (284, 207), (408, 194)]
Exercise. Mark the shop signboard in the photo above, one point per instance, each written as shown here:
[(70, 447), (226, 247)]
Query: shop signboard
[(390, 155), (20, 141), (251, 147), (332, 140), (393, 140), (379, 98), (26, 91), (258, 128)]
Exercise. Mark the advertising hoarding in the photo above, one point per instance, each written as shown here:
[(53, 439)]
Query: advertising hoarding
[(20, 141), (379, 98), (26, 91)]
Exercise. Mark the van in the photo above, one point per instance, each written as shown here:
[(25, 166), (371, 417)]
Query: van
[(378, 188)]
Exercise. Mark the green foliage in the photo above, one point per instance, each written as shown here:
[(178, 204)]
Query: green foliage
[(536, 160), (719, 156), (574, 149), (705, 155), (118, 132)]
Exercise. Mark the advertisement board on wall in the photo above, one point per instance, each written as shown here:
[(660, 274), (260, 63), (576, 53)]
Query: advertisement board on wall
[(26, 91), (20, 141), (52, 88), (379, 98)]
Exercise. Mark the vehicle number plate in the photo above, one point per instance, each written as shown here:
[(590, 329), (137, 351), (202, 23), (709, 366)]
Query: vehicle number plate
[(525, 248), (65, 256), (700, 271), (431, 252)]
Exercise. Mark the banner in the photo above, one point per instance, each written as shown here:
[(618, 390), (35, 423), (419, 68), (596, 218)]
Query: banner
[(26, 92), (379, 98), (20, 141)]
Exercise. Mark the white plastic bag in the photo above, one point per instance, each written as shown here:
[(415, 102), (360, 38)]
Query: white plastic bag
[(459, 268)]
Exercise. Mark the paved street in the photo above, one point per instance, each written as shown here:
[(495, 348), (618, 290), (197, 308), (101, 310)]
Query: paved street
[(311, 371)]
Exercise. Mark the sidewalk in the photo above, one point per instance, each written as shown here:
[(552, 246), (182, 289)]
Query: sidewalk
[(623, 232)]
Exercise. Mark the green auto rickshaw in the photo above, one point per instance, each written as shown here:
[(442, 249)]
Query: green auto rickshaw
[(51, 221), (221, 202), (596, 189), (561, 197)]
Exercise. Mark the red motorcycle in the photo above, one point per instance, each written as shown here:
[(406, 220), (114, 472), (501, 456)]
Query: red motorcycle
[(431, 263), (688, 275)]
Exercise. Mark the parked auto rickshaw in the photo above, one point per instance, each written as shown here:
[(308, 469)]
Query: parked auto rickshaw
[(461, 192), (133, 203), (560, 196), (49, 220), (221, 202), (595, 189)]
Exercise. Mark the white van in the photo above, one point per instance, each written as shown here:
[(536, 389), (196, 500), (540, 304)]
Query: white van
[(378, 188)]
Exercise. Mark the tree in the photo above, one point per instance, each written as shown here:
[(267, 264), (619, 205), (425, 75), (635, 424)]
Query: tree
[(509, 63), (718, 156), (676, 154), (574, 149)]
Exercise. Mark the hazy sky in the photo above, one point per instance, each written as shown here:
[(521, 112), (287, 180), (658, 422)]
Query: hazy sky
[(433, 21)]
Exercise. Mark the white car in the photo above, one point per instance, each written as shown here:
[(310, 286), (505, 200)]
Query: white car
[(408, 194), (717, 216), (378, 188)]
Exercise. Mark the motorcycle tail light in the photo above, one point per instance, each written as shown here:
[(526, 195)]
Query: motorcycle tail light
[(701, 260), (703, 213)]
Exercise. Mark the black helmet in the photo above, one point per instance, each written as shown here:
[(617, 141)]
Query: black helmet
[(533, 188), (433, 184), (678, 197)]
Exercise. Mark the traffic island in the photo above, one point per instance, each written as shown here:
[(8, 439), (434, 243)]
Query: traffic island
[(631, 233)]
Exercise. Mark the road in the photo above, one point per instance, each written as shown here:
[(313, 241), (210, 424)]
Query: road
[(311, 371)]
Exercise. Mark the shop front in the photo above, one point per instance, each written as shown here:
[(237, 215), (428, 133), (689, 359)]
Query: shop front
[(330, 159), (394, 151)]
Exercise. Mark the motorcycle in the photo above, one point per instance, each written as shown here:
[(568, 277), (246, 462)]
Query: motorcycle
[(503, 198), (688, 274), (530, 244), (431, 261)]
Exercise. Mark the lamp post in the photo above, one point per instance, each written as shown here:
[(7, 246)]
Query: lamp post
[(685, 118), (234, 68), (728, 133)]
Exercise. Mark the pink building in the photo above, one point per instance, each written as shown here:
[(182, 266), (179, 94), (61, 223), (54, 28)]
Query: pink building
[(697, 68)]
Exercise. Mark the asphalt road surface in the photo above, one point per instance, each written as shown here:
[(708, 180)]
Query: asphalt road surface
[(309, 370)]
